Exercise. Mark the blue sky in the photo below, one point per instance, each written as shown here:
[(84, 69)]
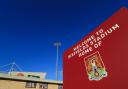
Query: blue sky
[(28, 29)]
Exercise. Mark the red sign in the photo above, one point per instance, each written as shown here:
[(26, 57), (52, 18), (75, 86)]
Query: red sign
[(100, 59)]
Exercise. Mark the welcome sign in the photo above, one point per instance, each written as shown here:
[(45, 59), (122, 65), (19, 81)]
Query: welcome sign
[(99, 60), (94, 41)]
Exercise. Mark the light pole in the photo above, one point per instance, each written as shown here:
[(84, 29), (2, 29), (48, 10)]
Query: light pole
[(57, 45)]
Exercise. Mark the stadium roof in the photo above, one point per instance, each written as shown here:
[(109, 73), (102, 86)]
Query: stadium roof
[(21, 78)]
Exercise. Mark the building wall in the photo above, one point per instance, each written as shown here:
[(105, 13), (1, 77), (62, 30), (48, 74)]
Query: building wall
[(11, 84), (52, 86)]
